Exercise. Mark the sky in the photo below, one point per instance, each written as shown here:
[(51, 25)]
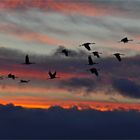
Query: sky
[(77, 104), (41, 28)]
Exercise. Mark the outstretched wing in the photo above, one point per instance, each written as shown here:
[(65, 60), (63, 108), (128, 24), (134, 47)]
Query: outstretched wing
[(87, 47), (96, 72), (54, 74), (125, 39), (50, 74), (90, 60), (98, 55)]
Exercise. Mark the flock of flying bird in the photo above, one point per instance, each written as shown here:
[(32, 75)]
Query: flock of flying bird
[(93, 70), (97, 54)]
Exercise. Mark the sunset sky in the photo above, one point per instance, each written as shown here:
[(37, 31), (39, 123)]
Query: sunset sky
[(40, 27)]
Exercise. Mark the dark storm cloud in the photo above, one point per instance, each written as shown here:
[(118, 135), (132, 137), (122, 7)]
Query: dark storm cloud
[(112, 76), (7, 53), (20, 123), (87, 84), (127, 87), (13, 59)]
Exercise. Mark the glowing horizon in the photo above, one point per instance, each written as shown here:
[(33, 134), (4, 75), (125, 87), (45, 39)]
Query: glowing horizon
[(41, 28)]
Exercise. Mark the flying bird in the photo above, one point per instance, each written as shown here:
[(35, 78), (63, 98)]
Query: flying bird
[(118, 56), (24, 81), (52, 75), (90, 61), (94, 71), (87, 45), (97, 54), (125, 40), (12, 76), (27, 60), (65, 52)]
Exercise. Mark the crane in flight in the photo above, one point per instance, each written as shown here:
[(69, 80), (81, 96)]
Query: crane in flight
[(90, 61), (118, 56), (24, 81), (94, 71), (52, 75), (27, 60), (87, 45), (97, 54), (125, 40), (12, 76)]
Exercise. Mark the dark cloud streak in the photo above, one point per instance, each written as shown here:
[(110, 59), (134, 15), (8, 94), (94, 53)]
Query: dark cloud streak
[(112, 75)]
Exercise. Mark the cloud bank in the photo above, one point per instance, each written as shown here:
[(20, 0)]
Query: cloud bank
[(75, 78), (57, 123)]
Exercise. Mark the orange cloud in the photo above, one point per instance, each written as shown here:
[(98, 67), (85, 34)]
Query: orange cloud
[(23, 71), (42, 38), (43, 97), (84, 8), (31, 102), (30, 36)]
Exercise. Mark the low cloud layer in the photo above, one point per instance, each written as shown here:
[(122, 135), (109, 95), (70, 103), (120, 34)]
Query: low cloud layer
[(58, 123)]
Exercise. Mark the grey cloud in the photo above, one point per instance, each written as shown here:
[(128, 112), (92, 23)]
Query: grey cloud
[(127, 87), (86, 84), (112, 76), (77, 28)]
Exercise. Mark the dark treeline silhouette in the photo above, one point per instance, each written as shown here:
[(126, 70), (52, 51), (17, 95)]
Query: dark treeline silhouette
[(57, 123)]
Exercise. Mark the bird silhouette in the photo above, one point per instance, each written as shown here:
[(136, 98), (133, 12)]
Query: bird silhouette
[(94, 71), (87, 45), (90, 61), (97, 54), (27, 60), (12, 76), (125, 40), (52, 75), (24, 81), (65, 51), (118, 56)]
